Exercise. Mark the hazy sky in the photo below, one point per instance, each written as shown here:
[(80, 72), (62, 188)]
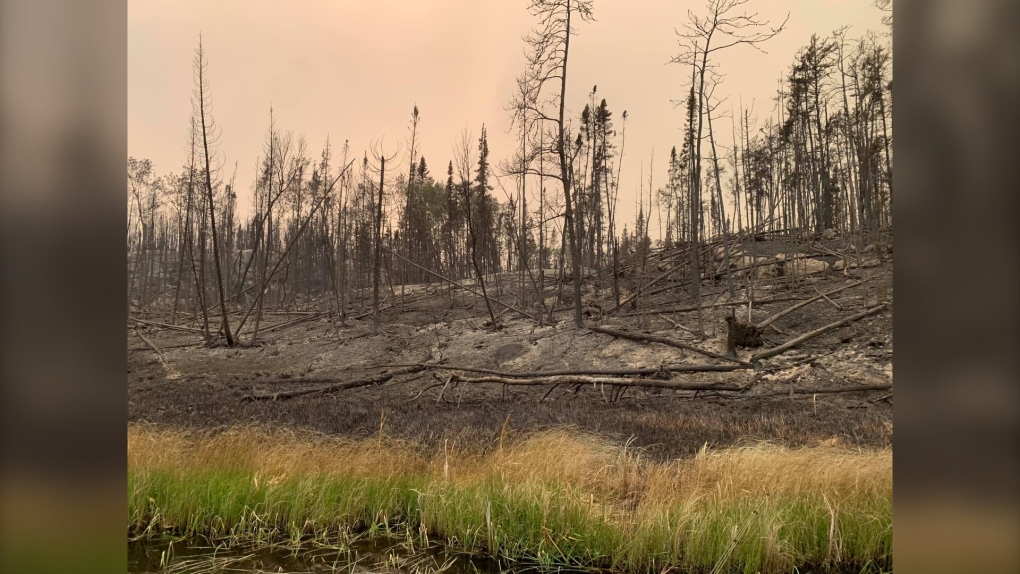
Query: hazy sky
[(354, 71)]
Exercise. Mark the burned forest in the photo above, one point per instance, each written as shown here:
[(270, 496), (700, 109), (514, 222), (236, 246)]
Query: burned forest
[(733, 291)]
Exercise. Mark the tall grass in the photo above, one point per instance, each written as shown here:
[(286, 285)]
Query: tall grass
[(558, 498)]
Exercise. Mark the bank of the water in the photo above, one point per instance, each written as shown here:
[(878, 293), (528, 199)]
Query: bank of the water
[(555, 499), (358, 555)]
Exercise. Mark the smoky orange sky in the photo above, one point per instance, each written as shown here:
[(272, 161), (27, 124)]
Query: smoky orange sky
[(354, 71)]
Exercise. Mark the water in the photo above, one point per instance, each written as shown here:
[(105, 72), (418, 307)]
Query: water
[(364, 556)]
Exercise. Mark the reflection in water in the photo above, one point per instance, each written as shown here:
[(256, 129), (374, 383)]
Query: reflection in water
[(175, 556)]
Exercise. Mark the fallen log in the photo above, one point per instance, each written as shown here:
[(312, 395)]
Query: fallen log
[(667, 368), (293, 322), (828, 390), (340, 386), (595, 381), (666, 341), (886, 397), (624, 383), (825, 250), (723, 304), (790, 344), (675, 324), (831, 302), (166, 325), (170, 372), (181, 346), (793, 308), (159, 353)]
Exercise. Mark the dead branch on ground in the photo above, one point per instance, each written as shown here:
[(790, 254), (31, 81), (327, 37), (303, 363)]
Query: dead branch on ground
[(162, 360), (664, 369), (722, 304), (805, 303), (790, 344), (293, 322), (165, 325), (665, 341), (340, 386), (675, 324), (603, 381), (825, 390)]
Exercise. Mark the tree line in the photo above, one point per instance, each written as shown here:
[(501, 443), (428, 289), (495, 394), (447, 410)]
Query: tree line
[(335, 229)]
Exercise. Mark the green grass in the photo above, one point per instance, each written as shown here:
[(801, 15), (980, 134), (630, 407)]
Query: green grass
[(557, 499)]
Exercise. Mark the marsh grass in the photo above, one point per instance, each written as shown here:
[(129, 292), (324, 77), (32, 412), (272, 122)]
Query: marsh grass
[(559, 498)]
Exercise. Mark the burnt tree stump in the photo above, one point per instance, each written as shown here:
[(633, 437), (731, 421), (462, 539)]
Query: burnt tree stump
[(740, 334)]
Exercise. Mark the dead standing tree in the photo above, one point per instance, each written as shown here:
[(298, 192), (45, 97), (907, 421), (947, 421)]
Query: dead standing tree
[(518, 166), (548, 48), (281, 168), (302, 225), (520, 117), (341, 238), (611, 209), (185, 234), (728, 29), (462, 153), (723, 221), (265, 235), (140, 176), (380, 157), (207, 128), (405, 228)]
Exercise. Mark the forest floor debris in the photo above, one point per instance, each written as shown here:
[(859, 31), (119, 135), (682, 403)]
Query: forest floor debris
[(788, 398)]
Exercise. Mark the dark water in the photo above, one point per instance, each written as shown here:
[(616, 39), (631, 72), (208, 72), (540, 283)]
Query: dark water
[(377, 555)]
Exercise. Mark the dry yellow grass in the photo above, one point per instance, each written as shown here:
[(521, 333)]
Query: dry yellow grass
[(267, 451), (586, 462), (768, 506)]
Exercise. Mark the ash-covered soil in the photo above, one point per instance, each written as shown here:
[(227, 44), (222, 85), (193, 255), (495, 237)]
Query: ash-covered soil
[(198, 386)]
